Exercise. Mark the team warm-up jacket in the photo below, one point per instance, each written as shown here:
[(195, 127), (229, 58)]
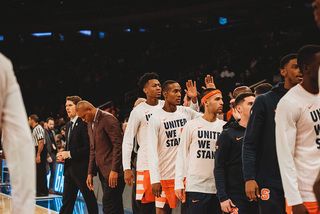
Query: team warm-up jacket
[(298, 143), (195, 158), (228, 163), (259, 155)]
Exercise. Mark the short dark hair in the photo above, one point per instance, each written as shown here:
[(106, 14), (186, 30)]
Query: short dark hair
[(286, 59), (262, 88), (74, 99), (165, 85), (34, 117), (206, 91), (306, 55), (146, 77), (63, 128), (49, 118), (240, 98)]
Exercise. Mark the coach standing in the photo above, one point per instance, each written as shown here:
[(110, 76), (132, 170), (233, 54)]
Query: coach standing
[(105, 155)]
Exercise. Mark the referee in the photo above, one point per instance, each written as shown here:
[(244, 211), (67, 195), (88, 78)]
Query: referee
[(41, 155)]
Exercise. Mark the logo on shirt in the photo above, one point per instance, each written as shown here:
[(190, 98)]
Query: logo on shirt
[(239, 138), (200, 127), (309, 107)]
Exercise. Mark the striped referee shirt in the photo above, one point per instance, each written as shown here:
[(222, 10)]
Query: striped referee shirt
[(37, 134)]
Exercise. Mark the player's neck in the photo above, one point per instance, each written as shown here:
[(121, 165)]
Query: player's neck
[(243, 122), (310, 86), (210, 117), (152, 101), (169, 107), (34, 125)]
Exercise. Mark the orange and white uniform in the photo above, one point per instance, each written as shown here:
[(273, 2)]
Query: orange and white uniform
[(298, 143), (138, 127), (195, 159), (164, 133)]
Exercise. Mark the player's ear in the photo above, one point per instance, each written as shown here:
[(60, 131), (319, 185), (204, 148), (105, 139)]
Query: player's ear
[(164, 94), (283, 72), (144, 90), (238, 108)]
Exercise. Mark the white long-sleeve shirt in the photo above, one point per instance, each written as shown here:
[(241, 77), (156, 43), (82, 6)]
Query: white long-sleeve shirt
[(298, 143), (17, 140), (164, 132), (138, 127), (195, 158)]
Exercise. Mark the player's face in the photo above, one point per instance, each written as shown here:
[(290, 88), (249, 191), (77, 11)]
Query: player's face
[(29, 121), (316, 12), (153, 88), (292, 73), (245, 106), (51, 124), (71, 109), (173, 95), (214, 104)]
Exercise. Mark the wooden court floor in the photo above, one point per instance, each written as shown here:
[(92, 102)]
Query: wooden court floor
[(5, 206)]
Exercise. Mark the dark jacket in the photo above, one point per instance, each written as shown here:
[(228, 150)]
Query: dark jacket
[(105, 145), (260, 160), (50, 144), (228, 164), (79, 147)]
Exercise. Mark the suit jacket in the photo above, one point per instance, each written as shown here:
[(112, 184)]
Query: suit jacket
[(51, 146), (105, 145), (79, 147)]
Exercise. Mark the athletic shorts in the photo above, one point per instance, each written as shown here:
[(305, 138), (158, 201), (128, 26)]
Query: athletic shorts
[(312, 208), (272, 201), (168, 195), (144, 187)]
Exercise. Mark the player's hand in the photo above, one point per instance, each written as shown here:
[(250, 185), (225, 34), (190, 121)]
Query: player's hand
[(156, 189), (208, 80), (181, 194), (191, 90), (113, 179), (38, 159), (49, 159), (252, 190), (227, 205), (299, 209), (90, 182), (236, 114), (129, 177)]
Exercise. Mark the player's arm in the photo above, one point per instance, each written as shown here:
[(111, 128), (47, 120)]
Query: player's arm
[(286, 117), (221, 157), (153, 158), (127, 146), (249, 148), (181, 160)]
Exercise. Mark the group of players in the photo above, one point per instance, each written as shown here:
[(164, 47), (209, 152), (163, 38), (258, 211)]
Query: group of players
[(264, 161)]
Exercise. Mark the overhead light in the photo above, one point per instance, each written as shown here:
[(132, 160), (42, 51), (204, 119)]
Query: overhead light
[(85, 32), (1, 38), (101, 35), (127, 30), (42, 34), (142, 30)]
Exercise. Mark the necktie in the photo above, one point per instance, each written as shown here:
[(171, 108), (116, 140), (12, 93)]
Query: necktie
[(69, 133)]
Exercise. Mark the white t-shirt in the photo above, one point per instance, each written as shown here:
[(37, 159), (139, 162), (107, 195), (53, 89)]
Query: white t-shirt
[(138, 126), (298, 143), (164, 132), (17, 140), (195, 159)]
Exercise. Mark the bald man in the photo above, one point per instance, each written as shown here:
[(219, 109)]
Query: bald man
[(105, 155)]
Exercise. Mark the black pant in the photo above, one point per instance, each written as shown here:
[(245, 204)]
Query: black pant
[(52, 167), (243, 205), (112, 197), (42, 189), (272, 200), (202, 203), (72, 184)]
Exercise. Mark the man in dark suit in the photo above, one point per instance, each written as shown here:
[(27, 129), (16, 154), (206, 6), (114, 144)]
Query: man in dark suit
[(105, 155), (76, 156), (50, 143)]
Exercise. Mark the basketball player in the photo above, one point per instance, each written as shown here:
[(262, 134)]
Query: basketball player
[(297, 135), (195, 157), (137, 126), (260, 162), (164, 130), (228, 165)]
